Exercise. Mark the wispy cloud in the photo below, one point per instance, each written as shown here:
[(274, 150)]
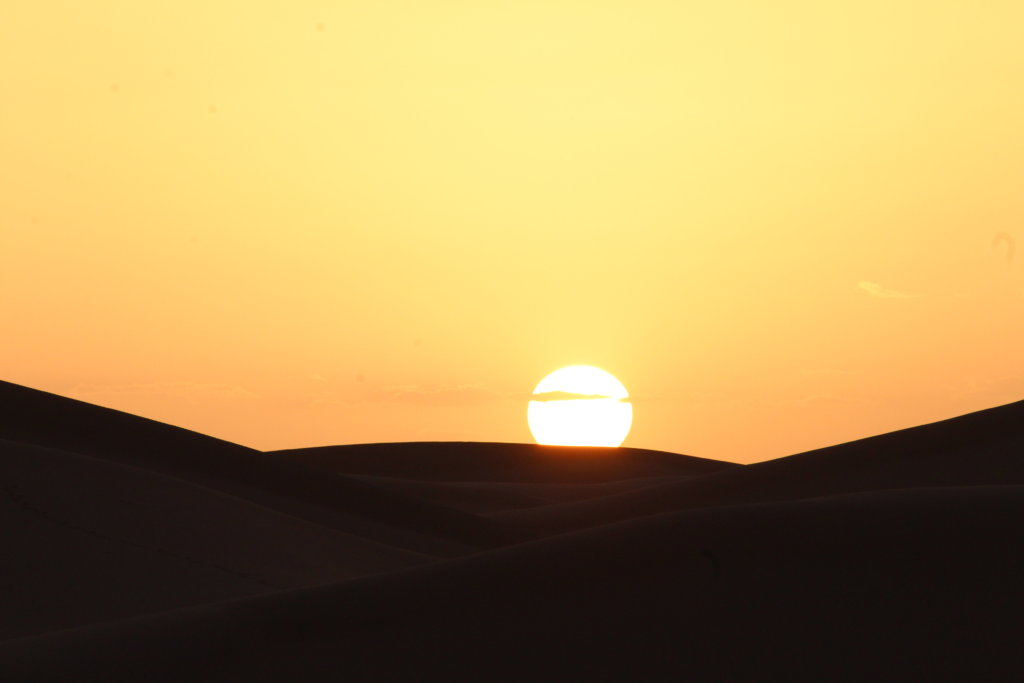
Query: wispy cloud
[(1006, 387), (406, 394), (197, 389), (462, 394), (570, 396), (877, 290), (1007, 239), (830, 372), (826, 398)]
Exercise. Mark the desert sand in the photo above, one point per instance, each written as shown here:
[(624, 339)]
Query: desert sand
[(138, 551)]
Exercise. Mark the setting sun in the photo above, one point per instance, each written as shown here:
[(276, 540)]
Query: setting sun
[(580, 405)]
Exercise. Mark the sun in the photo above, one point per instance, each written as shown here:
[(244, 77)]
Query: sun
[(580, 405)]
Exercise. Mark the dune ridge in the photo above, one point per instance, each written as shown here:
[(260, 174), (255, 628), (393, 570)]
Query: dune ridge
[(340, 502), (139, 551)]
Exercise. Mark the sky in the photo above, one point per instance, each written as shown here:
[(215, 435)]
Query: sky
[(781, 225)]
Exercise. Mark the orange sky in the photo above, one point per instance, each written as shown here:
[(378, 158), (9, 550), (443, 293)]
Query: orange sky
[(303, 223)]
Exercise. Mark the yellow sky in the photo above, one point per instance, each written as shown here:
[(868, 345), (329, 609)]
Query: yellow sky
[(303, 223)]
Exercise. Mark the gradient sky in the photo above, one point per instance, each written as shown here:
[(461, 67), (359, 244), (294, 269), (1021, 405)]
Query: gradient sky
[(303, 223)]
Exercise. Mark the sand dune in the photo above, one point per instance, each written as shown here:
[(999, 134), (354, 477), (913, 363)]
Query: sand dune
[(95, 540), (339, 502), (920, 585), (501, 462), (489, 496), (983, 448), (497, 477), (138, 551)]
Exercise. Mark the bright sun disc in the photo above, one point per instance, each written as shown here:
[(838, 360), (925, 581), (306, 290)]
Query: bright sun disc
[(580, 406)]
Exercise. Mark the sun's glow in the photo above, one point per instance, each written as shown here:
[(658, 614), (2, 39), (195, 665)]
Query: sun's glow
[(580, 405)]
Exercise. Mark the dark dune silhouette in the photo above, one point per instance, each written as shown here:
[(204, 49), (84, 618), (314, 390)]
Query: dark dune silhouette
[(983, 448), (339, 502), (141, 542), (501, 462), (136, 551)]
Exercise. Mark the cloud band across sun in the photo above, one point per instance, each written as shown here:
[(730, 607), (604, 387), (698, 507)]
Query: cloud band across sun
[(570, 396)]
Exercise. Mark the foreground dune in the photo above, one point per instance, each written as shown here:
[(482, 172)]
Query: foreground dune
[(86, 540), (137, 551)]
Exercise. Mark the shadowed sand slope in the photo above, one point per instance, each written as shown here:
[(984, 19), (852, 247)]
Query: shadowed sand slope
[(501, 462), (897, 586), (87, 540), (36, 417), (983, 448), (497, 477), (485, 497)]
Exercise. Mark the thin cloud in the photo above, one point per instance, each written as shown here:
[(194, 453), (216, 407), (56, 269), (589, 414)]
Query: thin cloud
[(840, 372), (408, 394), (463, 394), (877, 290), (570, 396), (1006, 387), (825, 398), (192, 389), (1007, 238)]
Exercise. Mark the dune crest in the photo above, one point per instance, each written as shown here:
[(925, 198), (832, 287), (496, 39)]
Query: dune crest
[(140, 551)]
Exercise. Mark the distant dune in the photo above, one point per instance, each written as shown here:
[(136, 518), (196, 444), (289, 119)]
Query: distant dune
[(137, 551)]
